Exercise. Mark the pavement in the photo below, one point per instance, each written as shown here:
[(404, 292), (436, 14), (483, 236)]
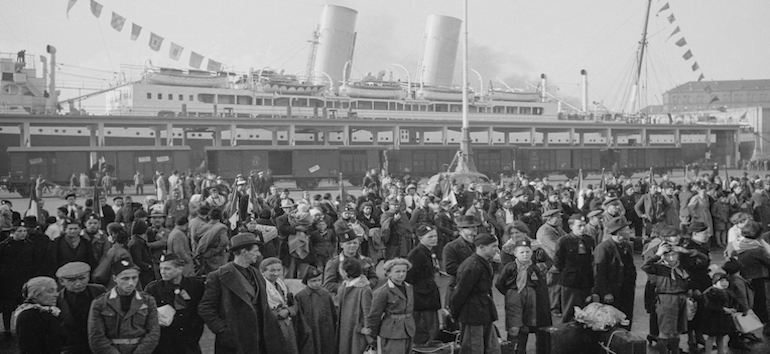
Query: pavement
[(641, 318)]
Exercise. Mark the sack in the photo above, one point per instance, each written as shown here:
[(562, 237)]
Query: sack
[(692, 308), (747, 323), (600, 317)]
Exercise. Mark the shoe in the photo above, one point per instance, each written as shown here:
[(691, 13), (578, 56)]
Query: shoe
[(735, 344), (752, 337)]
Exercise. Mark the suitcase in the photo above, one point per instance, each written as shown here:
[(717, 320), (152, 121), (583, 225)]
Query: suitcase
[(568, 338), (620, 341)]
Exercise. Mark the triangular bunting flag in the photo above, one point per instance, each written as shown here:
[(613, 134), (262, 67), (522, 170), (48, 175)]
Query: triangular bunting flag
[(676, 30), (196, 60), (135, 30), (175, 51), (96, 8), (701, 77), (70, 4), (707, 89), (117, 21), (744, 115), (714, 99), (695, 66), (214, 65), (664, 8), (681, 42), (687, 55), (155, 41), (671, 18)]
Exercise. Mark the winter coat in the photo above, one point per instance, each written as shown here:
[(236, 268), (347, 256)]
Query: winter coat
[(574, 259), (355, 300), (332, 278), (471, 300), (73, 333), (426, 293), (242, 324), (36, 330), (317, 310), (182, 336), (17, 265)]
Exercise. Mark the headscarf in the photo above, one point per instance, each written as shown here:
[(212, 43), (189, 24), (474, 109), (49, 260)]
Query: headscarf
[(30, 291)]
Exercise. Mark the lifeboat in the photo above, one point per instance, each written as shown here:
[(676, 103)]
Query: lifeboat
[(269, 81), (190, 78)]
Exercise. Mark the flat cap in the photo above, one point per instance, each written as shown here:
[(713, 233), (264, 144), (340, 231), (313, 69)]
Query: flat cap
[(697, 226), (73, 269), (551, 212), (596, 212), (577, 217), (611, 201)]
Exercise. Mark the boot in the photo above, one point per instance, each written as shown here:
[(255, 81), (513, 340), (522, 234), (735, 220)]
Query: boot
[(521, 342), (661, 345)]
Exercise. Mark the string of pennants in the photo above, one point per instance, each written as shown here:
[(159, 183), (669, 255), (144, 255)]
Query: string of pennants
[(682, 43), (155, 41)]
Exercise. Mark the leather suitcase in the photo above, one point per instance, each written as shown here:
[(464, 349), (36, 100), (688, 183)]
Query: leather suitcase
[(620, 341), (568, 338)]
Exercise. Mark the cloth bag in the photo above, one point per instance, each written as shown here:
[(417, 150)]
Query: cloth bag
[(747, 323)]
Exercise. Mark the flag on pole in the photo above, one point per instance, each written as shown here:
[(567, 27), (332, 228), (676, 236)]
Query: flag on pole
[(117, 21), (603, 182), (175, 51), (671, 18), (70, 4), (343, 193), (135, 30), (97, 206), (701, 77), (96, 8), (743, 116), (231, 209), (33, 208), (714, 99), (196, 60), (687, 55), (676, 30), (214, 65), (155, 41), (681, 42), (664, 8), (695, 66)]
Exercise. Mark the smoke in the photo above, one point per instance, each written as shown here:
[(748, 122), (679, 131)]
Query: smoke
[(493, 63)]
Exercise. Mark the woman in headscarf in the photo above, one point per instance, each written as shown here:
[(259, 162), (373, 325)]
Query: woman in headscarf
[(17, 265), (37, 318)]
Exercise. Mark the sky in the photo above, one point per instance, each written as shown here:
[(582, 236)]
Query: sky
[(514, 40)]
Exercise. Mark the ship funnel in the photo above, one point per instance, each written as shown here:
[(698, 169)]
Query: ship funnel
[(543, 82), (53, 99), (585, 90), (336, 41), (442, 35)]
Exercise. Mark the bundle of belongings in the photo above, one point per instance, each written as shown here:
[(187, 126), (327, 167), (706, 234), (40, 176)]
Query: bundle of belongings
[(600, 317)]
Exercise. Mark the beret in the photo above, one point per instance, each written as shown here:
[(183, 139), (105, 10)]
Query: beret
[(577, 217), (139, 228), (610, 201), (73, 269), (669, 231), (423, 230), (171, 257), (182, 220), (140, 214), (484, 239), (348, 236), (122, 265)]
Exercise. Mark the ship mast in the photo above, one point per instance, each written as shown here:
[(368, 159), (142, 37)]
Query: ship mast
[(640, 57), (466, 162), (311, 57)]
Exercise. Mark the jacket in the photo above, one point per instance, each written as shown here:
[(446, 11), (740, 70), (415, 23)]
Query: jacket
[(332, 278), (574, 259), (140, 254), (756, 263), (646, 206), (73, 334), (535, 297), (58, 259), (239, 314), (185, 331), (421, 276), (390, 315), (472, 298), (212, 248), (179, 244), (137, 329), (549, 235), (613, 270)]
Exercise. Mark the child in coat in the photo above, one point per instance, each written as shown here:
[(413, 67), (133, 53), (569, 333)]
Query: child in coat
[(718, 309), (316, 306), (523, 283)]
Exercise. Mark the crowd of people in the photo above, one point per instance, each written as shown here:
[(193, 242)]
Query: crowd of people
[(136, 277)]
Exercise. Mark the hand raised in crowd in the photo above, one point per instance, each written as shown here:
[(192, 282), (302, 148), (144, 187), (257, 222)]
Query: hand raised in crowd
[(608, 299)]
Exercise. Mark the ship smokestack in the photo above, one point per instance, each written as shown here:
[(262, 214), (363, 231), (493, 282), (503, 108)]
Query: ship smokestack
[(336, 40), (543, 82), (585, 90), (442, 34), (52, 84)]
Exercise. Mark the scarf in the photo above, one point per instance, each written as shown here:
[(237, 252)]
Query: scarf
[(53, 310), (299, 242), (521, 274), (274, 297), (359, 282)]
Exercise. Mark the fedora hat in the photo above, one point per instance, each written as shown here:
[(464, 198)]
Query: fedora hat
[(615, 224), (241, 240)]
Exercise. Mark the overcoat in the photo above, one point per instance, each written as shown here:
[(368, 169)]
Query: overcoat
[(317, 310), (17, 265), (471, 300), (182, 336), (355, 300), (74, 335), (239, 315), (615, 273), (426, 293)]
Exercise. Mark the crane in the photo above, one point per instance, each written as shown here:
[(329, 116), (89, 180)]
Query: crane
[(71, 101)]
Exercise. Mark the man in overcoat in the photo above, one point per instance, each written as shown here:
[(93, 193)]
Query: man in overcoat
[(234, 304), (615, 273), (457, 251), (472, 302)]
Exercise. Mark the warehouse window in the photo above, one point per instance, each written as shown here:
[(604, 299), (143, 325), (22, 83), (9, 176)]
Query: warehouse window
[(149, 96)]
